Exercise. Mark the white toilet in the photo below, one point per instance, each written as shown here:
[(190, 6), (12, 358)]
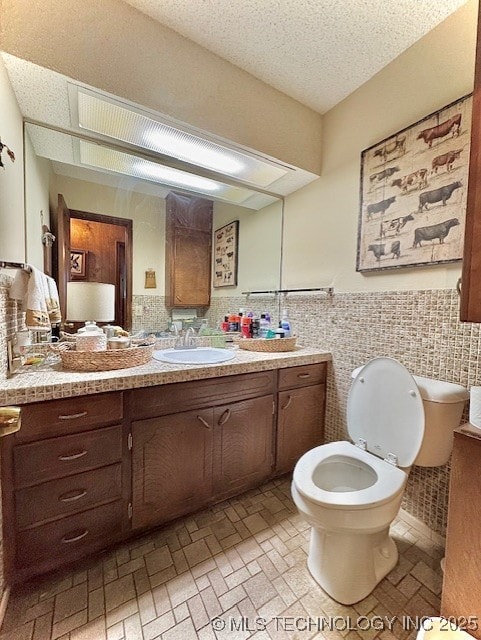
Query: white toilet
[(350, 493)]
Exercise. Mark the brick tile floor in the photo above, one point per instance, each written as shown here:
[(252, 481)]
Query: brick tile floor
[(235, 571)]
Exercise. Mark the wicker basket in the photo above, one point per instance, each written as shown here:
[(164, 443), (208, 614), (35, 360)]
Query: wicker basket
[(268, 345), (106, 360)]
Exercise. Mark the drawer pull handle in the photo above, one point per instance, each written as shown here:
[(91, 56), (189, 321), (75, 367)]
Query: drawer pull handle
[(68, 497), (204, 422), (73, 456), (224, 417), (66, 540), (303, 375), (287, 405), (72, 416)]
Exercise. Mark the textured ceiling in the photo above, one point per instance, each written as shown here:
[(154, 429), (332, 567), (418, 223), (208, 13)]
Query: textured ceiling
[(316, 51)]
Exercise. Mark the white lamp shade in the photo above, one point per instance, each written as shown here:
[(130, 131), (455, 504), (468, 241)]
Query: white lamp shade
[(90, 301)]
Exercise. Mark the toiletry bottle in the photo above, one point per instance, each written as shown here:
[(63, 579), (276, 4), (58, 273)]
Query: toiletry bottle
[(255, 327), (286, 324), (263, 326), (225, 325)]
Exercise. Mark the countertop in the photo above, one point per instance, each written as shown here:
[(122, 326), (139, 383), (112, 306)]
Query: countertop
[(40, 385)]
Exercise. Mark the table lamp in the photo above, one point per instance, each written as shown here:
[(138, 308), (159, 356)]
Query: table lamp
[(90, 302)]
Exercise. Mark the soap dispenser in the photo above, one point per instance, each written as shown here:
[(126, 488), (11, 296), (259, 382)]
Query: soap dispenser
[(286, 324)]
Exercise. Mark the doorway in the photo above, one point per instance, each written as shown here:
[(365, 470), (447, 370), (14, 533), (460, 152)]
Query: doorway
[(103, 244)]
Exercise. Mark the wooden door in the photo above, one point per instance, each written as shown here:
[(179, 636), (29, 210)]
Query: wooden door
[(300, 424), (243, 445), (171, 466), (470, 309), (62, 272)]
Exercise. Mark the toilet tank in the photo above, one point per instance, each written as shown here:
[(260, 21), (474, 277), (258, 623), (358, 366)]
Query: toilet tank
[(443, 408)]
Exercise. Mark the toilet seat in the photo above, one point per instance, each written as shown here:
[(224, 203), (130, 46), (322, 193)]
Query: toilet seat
[(390, 479), (385, 409)]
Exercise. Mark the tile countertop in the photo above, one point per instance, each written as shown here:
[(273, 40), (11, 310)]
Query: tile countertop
[(56, 383)]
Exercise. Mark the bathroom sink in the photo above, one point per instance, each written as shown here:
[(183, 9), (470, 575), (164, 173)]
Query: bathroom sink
[(199, 355)]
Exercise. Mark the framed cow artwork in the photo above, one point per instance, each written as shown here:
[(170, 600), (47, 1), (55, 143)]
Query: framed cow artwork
[(413, 193)]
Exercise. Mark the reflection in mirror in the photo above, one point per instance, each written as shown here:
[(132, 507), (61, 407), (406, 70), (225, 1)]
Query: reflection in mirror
[(95, 180)]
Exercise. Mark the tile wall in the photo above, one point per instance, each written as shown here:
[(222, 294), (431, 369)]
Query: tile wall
[(419, 328)]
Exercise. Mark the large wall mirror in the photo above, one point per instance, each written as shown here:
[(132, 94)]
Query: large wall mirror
[(99, 178)]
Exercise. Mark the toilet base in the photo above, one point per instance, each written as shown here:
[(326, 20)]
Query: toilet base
[(348, 566)]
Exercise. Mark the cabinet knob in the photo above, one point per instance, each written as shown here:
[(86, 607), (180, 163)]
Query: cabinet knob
[(10, 420)]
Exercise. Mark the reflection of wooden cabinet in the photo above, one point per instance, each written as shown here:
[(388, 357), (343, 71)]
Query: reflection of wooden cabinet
[(470, 309), (220, 446), (188, 249), (461, 596), (64, 488), (300, 418)]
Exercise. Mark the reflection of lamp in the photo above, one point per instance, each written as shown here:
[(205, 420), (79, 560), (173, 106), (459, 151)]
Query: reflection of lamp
[(94, 301)]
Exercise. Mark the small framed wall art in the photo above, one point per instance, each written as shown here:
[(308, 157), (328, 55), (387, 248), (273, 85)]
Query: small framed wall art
[(226, 245), (413, 193), (78, 264)]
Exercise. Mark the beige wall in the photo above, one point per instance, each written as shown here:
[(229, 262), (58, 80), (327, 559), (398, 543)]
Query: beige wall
[(320, 236), (114, 47), (148, 229), (12, 236), (38, 172), (259, 246)]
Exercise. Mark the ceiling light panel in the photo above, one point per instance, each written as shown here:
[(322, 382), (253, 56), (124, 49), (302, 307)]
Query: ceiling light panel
[(105, 116), (94, 155)]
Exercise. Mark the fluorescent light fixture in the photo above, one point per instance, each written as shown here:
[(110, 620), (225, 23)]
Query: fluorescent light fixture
[(100, 157), (109, 117)]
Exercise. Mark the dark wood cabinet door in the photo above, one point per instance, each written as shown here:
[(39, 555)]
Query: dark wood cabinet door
[(190, 278), (188, 250), (171, 466), (300, 424), (243, 445), (470, 308)]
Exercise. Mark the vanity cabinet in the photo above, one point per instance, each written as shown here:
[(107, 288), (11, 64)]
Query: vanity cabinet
[(184, 459), (188, 250), (461, 596), (300, 417), (85, 472), (64, 485)]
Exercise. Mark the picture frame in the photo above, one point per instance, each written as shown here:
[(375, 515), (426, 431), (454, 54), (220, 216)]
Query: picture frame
[(226, 254), (413, 193), (78, 264)]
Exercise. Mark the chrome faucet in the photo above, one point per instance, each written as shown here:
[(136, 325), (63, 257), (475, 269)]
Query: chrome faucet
[(186, 340)]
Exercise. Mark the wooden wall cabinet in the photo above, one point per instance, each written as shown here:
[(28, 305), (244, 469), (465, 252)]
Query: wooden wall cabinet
[(188, 251), (65, 489), (470, 308)]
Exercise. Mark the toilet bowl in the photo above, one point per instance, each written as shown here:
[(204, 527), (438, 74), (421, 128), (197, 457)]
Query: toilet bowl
[(351, 493)]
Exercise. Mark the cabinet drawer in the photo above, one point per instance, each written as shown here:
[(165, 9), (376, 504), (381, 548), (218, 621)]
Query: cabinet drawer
[(172, 398), (302, 376), (46, 419), (70, 537), (59, 457), (58, 498)]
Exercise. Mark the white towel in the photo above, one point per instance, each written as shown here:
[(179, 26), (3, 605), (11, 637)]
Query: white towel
[(39, 297)]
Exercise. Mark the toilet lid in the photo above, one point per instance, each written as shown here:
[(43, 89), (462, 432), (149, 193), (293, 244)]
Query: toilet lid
[(385, 408)]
